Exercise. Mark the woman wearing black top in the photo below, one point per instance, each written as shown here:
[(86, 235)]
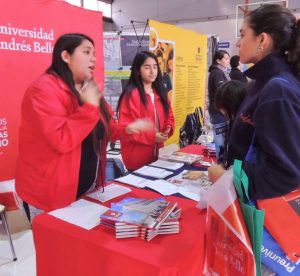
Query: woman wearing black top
[(218, 74)]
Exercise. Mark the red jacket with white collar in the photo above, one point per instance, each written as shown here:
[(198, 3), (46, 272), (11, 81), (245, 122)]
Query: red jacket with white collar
[(142, 149), (53, 127)]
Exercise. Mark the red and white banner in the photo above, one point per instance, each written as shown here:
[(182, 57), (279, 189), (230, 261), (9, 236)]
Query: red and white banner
[(28, 31), (228, 247)]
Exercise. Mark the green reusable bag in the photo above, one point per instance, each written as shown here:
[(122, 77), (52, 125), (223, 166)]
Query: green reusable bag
[(254, 218)]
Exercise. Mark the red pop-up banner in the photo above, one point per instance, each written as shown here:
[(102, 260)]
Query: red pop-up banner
[(28, 31)]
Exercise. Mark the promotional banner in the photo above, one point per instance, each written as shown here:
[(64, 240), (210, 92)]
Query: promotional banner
[(28, 31), (181, 55), (119, 52)]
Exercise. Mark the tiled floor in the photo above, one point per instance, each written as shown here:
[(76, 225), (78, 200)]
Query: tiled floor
[(23, 244)]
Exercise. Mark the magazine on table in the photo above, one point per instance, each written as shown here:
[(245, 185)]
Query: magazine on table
[(110, 191), (133, 180), (142, 218), (191, 184), (123, 231), (153, 172), (172, 153), (173, 166), (125, 227), (145, 212), (209, 150)]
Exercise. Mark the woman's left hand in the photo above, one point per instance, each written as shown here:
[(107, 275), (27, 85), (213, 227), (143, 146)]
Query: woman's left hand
[(160, 137), (167, 130)]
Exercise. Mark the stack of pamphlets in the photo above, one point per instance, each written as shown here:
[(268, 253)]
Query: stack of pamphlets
[(172, 153), (181, 157), (209, 150), (142, 218)]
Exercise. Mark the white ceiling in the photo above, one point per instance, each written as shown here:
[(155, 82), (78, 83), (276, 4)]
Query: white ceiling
[(178, 11)]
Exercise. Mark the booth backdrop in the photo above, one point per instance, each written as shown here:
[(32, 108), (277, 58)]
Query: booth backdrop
[(28, 31)]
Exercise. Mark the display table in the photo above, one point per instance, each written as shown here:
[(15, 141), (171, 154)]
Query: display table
[(67, 250)]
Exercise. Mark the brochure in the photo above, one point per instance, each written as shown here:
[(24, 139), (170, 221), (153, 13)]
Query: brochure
[(110, 191), (150, 213), (82, 213), (153, 172), (191, 184), (173, 154), (132, 180), (166, 165)]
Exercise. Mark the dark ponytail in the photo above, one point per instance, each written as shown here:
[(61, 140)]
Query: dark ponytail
[(281, 24), (294, 49)]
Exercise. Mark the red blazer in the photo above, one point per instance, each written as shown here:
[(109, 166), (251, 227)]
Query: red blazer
[(142, 149), (53, 127)]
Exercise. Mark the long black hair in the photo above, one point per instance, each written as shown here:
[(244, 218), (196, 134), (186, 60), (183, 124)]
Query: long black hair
[(135, 81), (281, 24), (69, 42)]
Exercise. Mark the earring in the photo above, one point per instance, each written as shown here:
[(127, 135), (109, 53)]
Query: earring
[(260, 48)]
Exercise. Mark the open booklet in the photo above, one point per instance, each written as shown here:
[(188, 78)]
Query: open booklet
[(172, 153), (110, 191), (153, 172), (190, 183)]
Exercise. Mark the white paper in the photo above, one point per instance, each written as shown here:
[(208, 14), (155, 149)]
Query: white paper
[(83, 213), (162, 186), (153, 172), (167, 165), (133, 180), (111, 191), (190, 191), (168, 149)]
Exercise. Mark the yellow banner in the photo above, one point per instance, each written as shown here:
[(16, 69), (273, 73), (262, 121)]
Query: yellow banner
[(181, 55)]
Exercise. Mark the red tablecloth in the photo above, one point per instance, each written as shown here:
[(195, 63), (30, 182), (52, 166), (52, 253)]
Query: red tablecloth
[(67, 250)]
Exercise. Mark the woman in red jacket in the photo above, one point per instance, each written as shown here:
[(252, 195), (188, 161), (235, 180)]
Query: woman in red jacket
[(145, 97), (65, 126)]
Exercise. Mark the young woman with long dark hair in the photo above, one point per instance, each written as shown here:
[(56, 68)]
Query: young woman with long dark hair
[(265, 133), (145, 97), (65, 126)]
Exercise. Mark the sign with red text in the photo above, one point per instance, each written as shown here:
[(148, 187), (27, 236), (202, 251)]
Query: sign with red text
[(28, 31)]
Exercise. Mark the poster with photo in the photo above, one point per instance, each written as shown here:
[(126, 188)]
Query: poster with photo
[(183, 67), (119, 52), (165, 51)]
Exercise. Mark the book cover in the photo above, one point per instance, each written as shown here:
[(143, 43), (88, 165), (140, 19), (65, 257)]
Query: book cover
[(191, 177), (192, 184), (149, 213), (181, 157)]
